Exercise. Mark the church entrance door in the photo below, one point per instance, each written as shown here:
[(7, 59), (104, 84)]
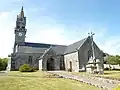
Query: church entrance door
[(50, 64), (70, 66)]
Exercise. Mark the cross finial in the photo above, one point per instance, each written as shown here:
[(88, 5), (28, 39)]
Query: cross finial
[(91, 33)]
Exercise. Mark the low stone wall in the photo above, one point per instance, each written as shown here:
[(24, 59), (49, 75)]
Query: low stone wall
[(112, 66)]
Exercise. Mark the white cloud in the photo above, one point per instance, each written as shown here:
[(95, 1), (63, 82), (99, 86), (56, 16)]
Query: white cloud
[(111, 45), (42, 33), (6, 33)]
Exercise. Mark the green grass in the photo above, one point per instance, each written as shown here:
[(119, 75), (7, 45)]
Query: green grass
[(117, 88), (40, 81)]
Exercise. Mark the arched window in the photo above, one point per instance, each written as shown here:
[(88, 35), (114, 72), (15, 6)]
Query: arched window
[(30, 60)]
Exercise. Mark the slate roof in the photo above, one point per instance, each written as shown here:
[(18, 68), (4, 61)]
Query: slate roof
[(38, 45), (59, 49), (73, 47)]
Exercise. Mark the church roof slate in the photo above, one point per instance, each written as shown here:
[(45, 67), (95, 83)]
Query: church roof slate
[(75, 46), (39, 45), (59, 49)]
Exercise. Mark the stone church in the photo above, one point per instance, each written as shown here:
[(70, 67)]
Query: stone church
[(42, 56)]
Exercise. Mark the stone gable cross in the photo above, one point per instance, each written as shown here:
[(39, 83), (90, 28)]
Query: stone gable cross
[(91, 37)]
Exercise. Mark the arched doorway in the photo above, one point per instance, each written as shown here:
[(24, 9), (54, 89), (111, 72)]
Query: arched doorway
[(50, 64)]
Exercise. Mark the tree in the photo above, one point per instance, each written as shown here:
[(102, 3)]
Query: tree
[(113, 60), (118, 59)]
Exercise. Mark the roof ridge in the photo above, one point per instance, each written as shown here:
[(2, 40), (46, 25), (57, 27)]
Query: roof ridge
[(75, 46), (77, 41), (45, 43), (82, 43)]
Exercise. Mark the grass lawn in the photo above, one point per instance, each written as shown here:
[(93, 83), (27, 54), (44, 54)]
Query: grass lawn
[(117, 88), (40, 81)]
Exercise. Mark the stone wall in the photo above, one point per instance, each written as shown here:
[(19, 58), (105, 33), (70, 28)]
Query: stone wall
[(23, 53), (46, 57), (112, 66), (73, 57), (83, 54), (23, 58)]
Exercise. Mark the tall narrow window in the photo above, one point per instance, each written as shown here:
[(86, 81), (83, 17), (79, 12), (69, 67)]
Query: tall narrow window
[(30, 60)]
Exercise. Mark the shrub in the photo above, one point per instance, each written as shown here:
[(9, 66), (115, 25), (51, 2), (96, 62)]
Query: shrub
[(106, 68), (26, 68), (3, 63)]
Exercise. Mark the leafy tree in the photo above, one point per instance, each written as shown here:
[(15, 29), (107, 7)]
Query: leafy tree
[(118, 59), (113, 60)]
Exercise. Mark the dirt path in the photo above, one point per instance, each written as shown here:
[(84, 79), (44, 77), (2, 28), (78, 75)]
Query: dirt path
[(99, 82), (2, 73)]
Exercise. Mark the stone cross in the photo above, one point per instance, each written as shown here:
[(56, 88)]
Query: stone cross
[(91, 37)]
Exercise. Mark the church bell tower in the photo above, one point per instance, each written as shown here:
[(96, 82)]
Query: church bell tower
[(20, 30)]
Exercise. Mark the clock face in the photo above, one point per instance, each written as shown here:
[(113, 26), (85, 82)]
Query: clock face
[(20, 34)]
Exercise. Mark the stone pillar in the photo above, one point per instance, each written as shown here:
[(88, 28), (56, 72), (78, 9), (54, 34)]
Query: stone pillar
[(9, 64), (40, 64)]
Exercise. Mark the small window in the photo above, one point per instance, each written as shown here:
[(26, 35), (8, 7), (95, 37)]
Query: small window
[(30, 60), (18, 26)]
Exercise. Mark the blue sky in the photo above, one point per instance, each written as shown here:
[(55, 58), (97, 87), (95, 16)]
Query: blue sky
[(62, 22)]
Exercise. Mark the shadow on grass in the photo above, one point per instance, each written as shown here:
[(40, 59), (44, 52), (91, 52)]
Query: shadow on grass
[(46, 76), (25, 76)]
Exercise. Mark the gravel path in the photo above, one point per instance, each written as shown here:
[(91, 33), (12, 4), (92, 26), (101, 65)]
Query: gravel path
[(2, 73), (96, 81)]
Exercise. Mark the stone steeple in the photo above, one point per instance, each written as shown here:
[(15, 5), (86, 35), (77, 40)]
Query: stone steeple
[(20, 30), (21, 13)]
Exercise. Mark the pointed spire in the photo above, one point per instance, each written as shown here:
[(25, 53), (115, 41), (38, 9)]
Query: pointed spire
[(22, 12), (22, 8)]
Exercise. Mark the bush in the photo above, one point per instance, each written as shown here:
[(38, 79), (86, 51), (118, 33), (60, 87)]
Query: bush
[(106, 68), (3, 63), (26, 68)]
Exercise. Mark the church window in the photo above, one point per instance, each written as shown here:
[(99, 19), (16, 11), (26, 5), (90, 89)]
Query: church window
[(30, 60), (18, 26)]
